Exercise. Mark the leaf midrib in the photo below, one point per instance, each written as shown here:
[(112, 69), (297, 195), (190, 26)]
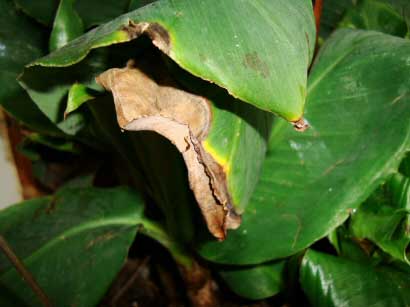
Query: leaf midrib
[(71, 233)]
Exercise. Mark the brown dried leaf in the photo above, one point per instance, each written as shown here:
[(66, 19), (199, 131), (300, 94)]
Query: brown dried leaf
[(184, 118)]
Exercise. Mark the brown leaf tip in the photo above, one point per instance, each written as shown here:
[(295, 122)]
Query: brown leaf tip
[(301, 125)]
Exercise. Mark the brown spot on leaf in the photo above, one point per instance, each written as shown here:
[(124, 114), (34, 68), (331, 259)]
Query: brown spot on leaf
[(101, 238), (254, 62), (332, 167)]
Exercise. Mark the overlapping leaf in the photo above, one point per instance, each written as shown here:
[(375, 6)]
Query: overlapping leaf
[(76, 231), (245, 128), (258, 58), (359, 133)]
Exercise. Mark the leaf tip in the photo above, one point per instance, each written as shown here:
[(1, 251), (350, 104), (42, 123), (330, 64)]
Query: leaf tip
[(301, 125)]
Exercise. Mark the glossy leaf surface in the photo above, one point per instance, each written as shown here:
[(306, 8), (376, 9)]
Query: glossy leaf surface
[(333, 281), (76, 231), (359, 133), (259, 58), (67, 25)]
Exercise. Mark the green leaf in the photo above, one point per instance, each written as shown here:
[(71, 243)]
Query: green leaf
[(377, 15), (260, 54), (61, 237), (77, 95), (237, 138), (333, 281), (311, 181), (350, 247), (50, 90), (67, 25), (49, 87), (15, 52), (385, 218), (257, 282)]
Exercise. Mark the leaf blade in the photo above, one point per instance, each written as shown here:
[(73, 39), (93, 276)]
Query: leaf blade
[(101, 224), (339, 161)]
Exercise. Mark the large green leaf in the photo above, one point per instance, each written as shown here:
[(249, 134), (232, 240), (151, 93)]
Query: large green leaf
[(75, 231), (359, 133), (260, 54), (333, 281), (384, 218), (16, 50)]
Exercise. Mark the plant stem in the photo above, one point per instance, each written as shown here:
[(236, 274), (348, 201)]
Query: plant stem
[(23, 165), (318, 14), (20, 267)]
